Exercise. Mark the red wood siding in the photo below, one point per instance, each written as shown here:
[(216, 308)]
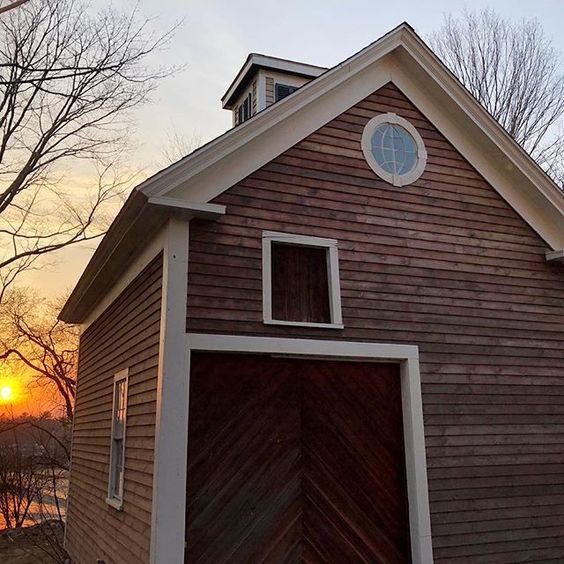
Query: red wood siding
[(126, 335), (446, 264), (295, 461)]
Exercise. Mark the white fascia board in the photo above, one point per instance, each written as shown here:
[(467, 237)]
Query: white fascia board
[(503, 163), (550, 228), (176, 175), (242, 73), (194, 209), (436, 69), (292, 67), (416, 71), (290, 120), (555, 255)]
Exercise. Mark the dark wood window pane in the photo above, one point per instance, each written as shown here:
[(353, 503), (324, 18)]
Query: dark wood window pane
[(283, 90), (300, 287)]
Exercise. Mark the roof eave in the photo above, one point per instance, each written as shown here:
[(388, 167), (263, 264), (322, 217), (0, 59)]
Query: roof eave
[(556, 256), (193, 164), (138, 221), (417, 49)]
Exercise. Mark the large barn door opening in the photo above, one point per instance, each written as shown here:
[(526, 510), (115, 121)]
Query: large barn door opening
[(293, 460)]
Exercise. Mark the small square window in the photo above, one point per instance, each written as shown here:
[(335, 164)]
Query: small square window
[(244, 110), (301, 281)]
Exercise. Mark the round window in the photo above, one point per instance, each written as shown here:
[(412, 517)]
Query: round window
[(394, 149)]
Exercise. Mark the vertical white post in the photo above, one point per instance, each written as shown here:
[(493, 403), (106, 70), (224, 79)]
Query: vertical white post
[(416, 463), (171, 434)]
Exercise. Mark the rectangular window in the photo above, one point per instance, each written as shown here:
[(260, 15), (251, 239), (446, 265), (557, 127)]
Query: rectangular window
[(283, 90), (301, 281), (117, 448), (244, 110), (247, 108)]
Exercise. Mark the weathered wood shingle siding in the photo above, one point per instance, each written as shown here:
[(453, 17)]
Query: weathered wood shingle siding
[(448, 265), (125, 336)]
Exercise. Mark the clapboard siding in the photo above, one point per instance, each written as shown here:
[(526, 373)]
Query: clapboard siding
[(269, 90), (125, 336), (444, 263)]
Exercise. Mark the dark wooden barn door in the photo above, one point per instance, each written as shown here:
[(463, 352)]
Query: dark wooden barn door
[(295, 461)]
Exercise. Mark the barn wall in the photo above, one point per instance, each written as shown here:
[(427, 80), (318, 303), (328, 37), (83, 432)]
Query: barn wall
[(446, 264), (125, 336)]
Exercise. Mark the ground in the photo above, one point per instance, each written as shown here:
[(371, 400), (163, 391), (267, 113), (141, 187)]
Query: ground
[(31, 545)]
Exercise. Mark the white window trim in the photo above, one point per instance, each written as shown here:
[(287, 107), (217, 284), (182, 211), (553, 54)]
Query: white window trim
[(396, 180), (117, 501), (268, 237), (412, 408)]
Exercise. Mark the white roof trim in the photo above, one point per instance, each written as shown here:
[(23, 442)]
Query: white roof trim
[(402, 58), (274, 63), (185, 169), (521, 159), (555, 255), (208, 211)]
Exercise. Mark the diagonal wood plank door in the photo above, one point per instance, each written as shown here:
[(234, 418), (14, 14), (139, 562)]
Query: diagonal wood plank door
[(295, 461)]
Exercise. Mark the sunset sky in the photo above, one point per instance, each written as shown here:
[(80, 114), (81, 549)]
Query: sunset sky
[(215, 39), (212, 43)]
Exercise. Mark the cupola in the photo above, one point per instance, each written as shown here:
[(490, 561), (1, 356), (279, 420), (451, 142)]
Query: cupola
[(263, 81)]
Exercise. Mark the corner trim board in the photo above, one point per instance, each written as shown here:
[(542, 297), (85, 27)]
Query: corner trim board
[(171, 430)]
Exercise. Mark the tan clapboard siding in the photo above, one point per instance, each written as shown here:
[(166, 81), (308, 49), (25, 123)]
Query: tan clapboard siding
[(269, 86), (254, 97), (125, 336), (446, 264)]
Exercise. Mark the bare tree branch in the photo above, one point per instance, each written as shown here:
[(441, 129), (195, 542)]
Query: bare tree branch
[(69, 79), (31, 334), (515, 73), (178, 146), (12, 5)]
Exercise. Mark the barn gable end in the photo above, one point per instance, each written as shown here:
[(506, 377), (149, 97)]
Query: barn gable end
[(445, 264), (455, 280)]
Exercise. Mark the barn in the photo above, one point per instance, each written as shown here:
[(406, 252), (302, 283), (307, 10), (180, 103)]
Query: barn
[(333, 334)]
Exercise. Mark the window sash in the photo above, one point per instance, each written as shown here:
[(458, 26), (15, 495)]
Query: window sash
[(117, 444)]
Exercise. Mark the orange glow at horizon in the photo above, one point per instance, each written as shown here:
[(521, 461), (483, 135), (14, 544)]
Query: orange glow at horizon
[(6, 393), (9, 390), (19, 395)]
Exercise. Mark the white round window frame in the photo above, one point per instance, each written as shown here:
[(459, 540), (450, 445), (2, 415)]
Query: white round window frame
[(395, 179)]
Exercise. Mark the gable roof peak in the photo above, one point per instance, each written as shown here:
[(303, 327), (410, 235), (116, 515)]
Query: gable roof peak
[(400, 57)]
